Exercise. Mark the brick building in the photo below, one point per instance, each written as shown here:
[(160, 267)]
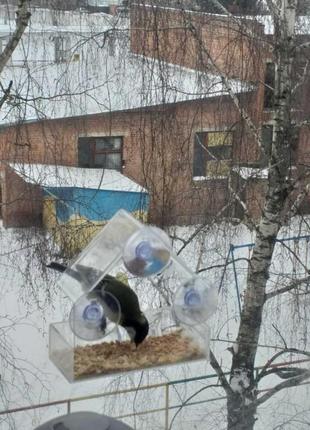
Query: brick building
[(180, 148)]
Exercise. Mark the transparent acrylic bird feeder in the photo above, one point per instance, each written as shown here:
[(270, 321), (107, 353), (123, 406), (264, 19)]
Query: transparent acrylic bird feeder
[(95, 340)]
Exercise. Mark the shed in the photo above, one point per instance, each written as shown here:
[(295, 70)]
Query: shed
[(76, 201)]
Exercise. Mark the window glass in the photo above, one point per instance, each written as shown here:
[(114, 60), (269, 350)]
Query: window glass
[(212, 153), (113, 161), (100, 160), (84, 153), (267, 131), (219, 138), (104, 152), (269, 85), (62, 51), (104, 143), (200, 155), (219, 153)]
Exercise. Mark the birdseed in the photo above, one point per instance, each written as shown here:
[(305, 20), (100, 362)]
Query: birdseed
[(113, 357)]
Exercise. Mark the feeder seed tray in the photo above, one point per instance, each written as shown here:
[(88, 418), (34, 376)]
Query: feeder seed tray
[(113, 357)]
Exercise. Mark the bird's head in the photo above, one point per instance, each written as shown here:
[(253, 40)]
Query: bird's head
[(138, 329)]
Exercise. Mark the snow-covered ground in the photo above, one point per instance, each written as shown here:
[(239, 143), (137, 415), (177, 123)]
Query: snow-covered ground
[(30, 301)]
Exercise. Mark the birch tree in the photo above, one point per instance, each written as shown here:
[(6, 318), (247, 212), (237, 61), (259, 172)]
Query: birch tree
[(285, 193), (22, 18), (242, 385)]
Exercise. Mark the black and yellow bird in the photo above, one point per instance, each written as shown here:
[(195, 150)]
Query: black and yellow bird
[(131, 317)]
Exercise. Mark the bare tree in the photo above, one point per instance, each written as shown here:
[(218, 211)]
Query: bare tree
[(284, 195)]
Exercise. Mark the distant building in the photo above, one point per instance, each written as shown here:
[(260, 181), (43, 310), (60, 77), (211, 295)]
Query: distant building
[(91, 5), (155, 106), (73, 203)]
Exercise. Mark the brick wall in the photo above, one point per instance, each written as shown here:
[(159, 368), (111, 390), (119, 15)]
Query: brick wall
[(199, 41), (158, 151), (158, 154), (22, 202)]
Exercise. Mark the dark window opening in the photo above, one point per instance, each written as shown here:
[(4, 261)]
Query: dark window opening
[(267, 136), (62, 52), (267, 132), (269, 86), (212, 153), (100, 152)]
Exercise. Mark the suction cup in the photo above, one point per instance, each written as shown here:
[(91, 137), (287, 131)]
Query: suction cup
[(194, 302), (94, 316), (147, 252)]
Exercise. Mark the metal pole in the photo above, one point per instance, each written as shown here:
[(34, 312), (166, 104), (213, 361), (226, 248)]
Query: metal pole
[(224, 271), (235, 275), (167, 407)]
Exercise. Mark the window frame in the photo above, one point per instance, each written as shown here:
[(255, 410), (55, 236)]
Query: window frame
[(214, 165), (91, 142)]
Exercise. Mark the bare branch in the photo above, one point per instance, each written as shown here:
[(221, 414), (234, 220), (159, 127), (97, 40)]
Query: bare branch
[(243, 113), (6, 93), (279, 333), (298, 202), (218, 370), (292, 382), (218, 266), (242, 203), (285, 372), (294, 284), (22, 19), (276, 356)]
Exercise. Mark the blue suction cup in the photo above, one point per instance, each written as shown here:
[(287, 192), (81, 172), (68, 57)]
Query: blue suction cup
[(93, 317), (147, 252), (195, 302), (192, 298)]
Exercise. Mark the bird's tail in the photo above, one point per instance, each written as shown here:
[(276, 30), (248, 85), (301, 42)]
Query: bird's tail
[(57, 266), (61, 268)]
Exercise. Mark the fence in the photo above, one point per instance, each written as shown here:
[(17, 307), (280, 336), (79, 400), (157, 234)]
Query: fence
[(166, 387), (230, 258)]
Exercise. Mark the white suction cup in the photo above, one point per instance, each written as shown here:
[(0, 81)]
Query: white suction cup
[(147, 252), (94, 316), (194, 302)]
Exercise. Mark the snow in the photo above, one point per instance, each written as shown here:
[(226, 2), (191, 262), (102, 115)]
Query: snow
[(302, 22), (251, 172), (99, 73), (66, 176), (239, 381), (206, 178), (32, 299), (80, 89)]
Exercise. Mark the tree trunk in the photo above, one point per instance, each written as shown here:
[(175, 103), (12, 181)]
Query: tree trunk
[(240, 413), (239, 418)]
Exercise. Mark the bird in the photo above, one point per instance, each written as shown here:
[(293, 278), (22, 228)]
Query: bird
[(131, 317)]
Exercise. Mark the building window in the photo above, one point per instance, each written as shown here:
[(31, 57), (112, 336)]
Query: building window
[(267, 136), (269, 86), (62, 51), (100, 152), (212, 153), (267, 132)]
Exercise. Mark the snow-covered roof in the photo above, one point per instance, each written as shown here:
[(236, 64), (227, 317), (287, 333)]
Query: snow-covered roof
[(98, 74), (302, 24), (106, 83), (251, 172), (44, 18), (51, 176)]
